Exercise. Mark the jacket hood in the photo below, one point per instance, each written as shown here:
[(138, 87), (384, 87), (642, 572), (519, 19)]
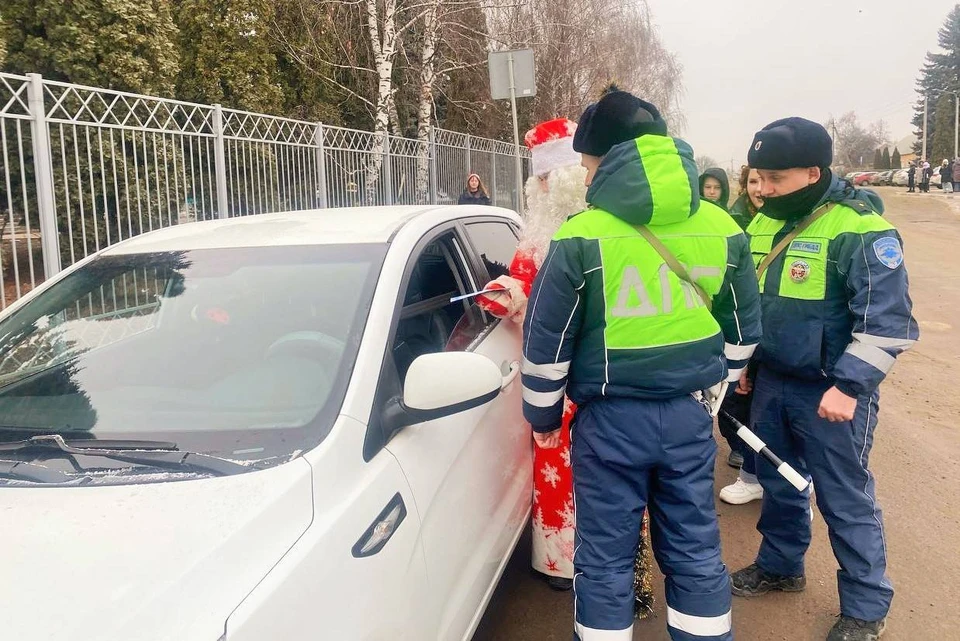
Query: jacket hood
[(721, 175), (841, 189), (648, 181)]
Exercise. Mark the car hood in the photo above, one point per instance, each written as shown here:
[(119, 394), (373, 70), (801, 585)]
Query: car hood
[(144, 562)]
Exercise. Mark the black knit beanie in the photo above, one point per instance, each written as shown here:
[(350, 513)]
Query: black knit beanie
[(617, 117), (791, 143)]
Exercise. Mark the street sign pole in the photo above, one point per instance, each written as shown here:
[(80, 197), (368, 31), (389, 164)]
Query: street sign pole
[(516, 134), (512, 76)]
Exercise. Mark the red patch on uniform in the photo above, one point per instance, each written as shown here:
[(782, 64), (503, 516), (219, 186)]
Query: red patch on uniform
[(799, 271)]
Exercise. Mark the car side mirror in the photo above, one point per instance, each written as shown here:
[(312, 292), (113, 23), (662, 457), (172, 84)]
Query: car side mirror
[(444, 384)]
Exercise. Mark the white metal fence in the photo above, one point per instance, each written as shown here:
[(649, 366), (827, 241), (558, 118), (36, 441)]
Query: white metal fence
[(82, 168)]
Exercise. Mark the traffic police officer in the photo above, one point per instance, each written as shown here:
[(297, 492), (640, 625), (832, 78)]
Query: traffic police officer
[(634, 336), (836, 313)]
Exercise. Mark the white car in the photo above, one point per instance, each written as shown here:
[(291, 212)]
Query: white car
[(264, 428)]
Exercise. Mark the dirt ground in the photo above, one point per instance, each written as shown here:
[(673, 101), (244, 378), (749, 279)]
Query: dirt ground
[(916, 459)]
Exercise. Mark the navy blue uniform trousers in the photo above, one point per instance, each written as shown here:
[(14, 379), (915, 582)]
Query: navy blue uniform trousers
[(835, 455), (628, 454)]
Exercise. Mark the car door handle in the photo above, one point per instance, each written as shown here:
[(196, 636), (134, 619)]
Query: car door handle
[(511, 375)]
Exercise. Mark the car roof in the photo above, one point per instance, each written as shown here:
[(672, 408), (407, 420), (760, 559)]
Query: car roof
[(338, 226)]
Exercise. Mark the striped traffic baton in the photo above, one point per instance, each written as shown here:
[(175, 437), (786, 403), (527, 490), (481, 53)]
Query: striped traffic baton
[(758, 446)]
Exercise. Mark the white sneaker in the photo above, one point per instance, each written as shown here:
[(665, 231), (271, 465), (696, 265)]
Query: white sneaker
[(741, 492)]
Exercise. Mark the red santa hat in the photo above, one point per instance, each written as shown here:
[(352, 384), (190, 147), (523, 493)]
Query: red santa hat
[(551, 146)]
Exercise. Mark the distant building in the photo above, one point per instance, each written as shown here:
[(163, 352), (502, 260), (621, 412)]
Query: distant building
[(905, 146)]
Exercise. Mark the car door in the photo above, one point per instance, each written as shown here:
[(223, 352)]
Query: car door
[(470, 473)]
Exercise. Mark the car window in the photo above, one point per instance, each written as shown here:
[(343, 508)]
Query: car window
[(239, 352), (429, 322), (496, 243)]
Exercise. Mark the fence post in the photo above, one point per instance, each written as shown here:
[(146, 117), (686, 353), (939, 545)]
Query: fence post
[(434, 178), (321, 165), (469, 160), (220, 163), (493, 178), (43, 168), (387, 170)]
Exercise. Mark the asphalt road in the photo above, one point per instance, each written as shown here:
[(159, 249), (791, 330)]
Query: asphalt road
[(916, 459)]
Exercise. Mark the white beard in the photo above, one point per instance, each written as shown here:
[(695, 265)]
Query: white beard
[(547, 210)]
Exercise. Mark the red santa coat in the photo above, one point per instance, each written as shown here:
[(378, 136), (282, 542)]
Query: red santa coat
[(554, 524)]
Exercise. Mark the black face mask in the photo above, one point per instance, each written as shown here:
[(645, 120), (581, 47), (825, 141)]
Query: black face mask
[(800, 203)]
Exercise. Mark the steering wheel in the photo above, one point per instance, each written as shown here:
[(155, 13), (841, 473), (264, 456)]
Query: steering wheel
[(306, 344)]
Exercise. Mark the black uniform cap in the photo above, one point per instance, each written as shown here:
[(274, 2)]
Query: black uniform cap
[(790, 143), (617, 117)]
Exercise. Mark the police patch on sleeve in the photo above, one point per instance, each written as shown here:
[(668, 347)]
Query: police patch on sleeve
[(888, 252)]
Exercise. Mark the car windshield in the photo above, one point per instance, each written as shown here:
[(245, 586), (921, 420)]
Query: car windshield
[(242, 353)]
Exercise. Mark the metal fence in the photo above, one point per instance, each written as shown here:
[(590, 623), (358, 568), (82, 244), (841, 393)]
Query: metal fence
[(82, 168)]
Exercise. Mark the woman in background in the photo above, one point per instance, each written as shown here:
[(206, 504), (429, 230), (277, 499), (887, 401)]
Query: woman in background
[(746, 488), (474, 193)]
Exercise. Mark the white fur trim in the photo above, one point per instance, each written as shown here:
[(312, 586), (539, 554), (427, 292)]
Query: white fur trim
[(511, 297), (517, 303), (552, 155)]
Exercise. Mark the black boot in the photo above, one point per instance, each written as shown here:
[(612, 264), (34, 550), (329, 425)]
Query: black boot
[(559, 583), (850, 629), (754, 581)]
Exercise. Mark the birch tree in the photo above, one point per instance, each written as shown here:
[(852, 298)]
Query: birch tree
[(431, 37)]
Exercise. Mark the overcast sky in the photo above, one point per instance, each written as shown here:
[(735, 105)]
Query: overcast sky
[(749, 62)]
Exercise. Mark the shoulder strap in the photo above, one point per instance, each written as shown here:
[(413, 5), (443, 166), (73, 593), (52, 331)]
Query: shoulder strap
[(789, 238), (860, 205), (673, 263)]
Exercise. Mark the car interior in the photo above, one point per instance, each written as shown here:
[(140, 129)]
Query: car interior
[(428, 319)]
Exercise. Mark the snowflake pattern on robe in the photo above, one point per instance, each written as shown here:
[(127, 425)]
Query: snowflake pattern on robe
[(551, 475)]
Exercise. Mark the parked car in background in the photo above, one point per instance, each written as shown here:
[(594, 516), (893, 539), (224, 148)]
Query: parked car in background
[(283, 426), (884, 178), (864, 178), (900, 178)]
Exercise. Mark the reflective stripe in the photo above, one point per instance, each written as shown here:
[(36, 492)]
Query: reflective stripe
[(699, 626), (542, 399), (548, 371), (738, 352), (593, 634), (733, 375), (883, 341), (872, 355)]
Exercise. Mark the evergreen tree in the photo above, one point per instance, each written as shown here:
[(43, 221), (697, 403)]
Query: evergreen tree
[(225, 56), (116, 44), (941, 143), (940, 73), (895, 159), (886, 158), (877, 159)]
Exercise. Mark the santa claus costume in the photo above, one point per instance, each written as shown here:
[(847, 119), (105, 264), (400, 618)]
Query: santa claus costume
[(555, 191)]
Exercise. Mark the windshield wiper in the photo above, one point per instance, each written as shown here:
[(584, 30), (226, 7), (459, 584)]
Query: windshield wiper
[(159, 454), (25, 471)]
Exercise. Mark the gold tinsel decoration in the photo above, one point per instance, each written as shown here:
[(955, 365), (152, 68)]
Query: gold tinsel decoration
[(643, 571)]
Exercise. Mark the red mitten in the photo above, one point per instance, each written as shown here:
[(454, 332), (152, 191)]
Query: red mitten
[(509, 301)]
